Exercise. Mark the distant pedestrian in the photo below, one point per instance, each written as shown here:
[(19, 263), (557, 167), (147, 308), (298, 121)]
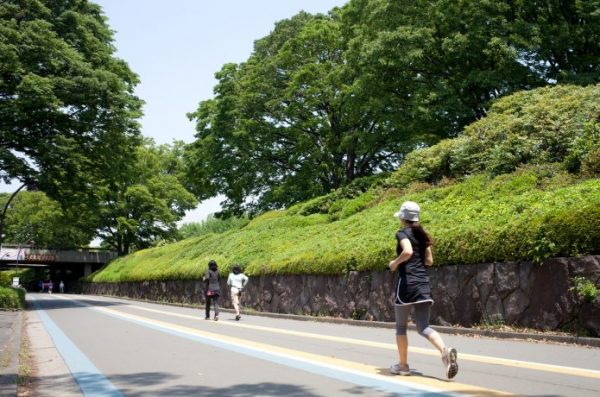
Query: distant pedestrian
[(414, 253), (50, 286), (212, 281), (237, 280), (41, 285), (61, 287)]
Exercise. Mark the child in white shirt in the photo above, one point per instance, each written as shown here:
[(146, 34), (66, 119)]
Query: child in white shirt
[(237, 281)]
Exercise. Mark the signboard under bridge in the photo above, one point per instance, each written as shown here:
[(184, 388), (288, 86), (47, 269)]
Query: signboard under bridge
[(27, 255), (12, 254)]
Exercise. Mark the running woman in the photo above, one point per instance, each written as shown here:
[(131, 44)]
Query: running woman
[(414, 254)]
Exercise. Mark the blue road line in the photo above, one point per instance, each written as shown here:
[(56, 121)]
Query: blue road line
[(89, 378)]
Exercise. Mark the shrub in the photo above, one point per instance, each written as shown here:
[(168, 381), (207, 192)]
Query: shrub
[(334, 202), (591, 164), (26, 276), (12, 298), (212, 225), (546, 125), (585, 289), (5, 279)]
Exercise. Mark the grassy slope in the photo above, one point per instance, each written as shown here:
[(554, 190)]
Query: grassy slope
[(474, 221)]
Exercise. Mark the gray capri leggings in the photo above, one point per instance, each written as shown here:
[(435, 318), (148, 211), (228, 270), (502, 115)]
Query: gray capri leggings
[(422, 311)]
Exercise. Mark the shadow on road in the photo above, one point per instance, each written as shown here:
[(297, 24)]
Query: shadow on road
[(161, 384), (240, 390), (53, 301)]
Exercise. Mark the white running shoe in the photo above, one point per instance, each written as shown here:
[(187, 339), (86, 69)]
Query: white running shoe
[(398, 369), (449, 359)]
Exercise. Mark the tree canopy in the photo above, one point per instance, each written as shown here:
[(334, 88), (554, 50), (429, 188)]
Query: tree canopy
[(141, 203), (68, 124), (326, 99), (67, 108), (38, 220)]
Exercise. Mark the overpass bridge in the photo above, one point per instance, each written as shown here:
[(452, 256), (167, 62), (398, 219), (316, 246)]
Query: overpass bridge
[(80, 261)]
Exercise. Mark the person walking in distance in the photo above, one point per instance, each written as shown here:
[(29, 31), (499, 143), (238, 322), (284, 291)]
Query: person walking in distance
[(212, 281), (413, 254), (61, 287), (237, 280)]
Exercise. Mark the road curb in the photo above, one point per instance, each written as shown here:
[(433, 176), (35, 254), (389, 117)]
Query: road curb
[(490, 333)]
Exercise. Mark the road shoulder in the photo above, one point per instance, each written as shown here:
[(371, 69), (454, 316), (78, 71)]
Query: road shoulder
[(10, 341), (49, 375)]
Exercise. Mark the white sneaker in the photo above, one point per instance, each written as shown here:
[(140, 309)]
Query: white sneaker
[(398, 369), (449, 359)]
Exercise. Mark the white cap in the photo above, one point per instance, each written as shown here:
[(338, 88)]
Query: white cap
[(409, 210)]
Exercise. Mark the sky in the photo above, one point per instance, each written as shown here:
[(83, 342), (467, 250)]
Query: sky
[(176, 47)]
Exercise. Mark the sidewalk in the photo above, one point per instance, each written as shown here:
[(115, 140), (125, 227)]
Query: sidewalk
[(49, 375), (10, 343)]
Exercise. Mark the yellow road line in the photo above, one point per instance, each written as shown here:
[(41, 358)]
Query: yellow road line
[(581, 372), (430, 384)]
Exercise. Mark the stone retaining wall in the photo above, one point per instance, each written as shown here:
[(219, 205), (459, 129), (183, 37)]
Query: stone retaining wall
[(516, 293)]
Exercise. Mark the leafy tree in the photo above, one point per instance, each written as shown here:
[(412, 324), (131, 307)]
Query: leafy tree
[(441, 63), (289, 124), (324, 100), (67, 109), (141, 202), (559, 40), (33, 218)]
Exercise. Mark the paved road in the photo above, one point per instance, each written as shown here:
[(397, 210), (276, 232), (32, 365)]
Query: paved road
[(118, 347)]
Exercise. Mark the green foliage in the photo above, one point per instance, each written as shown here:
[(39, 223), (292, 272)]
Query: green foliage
[(358, 314), (533, 214), (212, 225), (476, 221), (440, 63), (67, 114), (546, 125), (344, 201), (25, 276), (12, 298), (326, 99), (494, 321), (34, 217), (585, 289), (64, 97), (141, 203), (5, 279), (591, 164)]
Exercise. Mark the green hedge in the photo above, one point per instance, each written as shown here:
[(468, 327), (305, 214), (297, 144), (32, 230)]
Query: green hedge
[(12, 298)]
